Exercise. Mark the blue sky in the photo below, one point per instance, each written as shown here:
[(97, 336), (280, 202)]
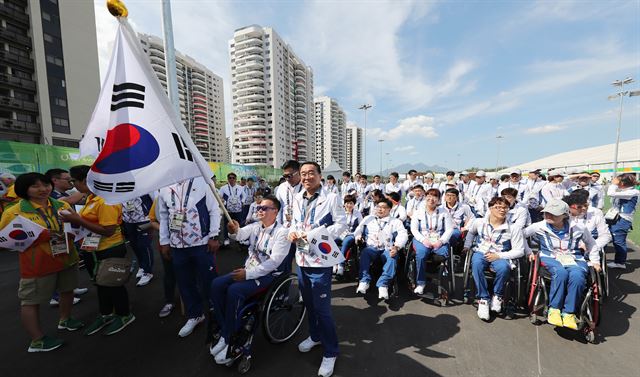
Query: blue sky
[(444, 78)]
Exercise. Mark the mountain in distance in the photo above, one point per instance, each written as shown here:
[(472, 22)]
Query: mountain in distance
[(420, 167)]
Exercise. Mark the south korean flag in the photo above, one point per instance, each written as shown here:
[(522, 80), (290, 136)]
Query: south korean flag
[(19, 234), (133, 132)]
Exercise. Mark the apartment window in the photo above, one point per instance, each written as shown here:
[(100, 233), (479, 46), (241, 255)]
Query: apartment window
[(54, 60), (46, 16), (60, 102), (48, 38), (60, 122), (24, 117)]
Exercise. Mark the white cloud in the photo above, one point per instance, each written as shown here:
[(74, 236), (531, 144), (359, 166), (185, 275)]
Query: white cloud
[(405, 148), (544, 129), (418, 126)]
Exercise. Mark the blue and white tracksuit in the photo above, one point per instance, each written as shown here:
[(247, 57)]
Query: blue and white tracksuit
[(435, 226), (320, 209), (135, 212), (268, 257), (505, 240), (625, 200), (194, 265), (460, 213), (380, 235), (568, 281), (348, 240)]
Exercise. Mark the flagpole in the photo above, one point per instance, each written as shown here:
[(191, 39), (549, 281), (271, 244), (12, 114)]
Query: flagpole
[(170, 55), (119, 10)]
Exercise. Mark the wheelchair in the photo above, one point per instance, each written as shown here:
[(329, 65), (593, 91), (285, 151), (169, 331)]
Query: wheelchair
[(589, 315), (439, 269), (278, 309), (351, 263), (514, 294), (375, 270)]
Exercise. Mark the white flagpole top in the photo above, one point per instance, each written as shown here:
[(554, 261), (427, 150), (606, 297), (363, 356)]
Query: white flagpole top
[(117, 8)]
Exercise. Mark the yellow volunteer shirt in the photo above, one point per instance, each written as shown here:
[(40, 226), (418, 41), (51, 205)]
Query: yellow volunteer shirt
[(99, 212), (152, 211), (37, 260)]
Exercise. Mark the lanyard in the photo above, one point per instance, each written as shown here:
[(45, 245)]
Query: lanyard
[(394, 211), (306, 215), (45, 217), (186, 199), (416, 203), (258, 240), (484, 233), (477, 189), (561, 239), (290, 193), (428, 217), (453, 210)]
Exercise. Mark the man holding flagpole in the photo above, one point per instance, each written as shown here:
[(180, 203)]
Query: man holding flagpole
[(314, 208)]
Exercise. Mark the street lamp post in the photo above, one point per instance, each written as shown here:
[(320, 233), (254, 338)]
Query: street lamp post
[(621, 94), (380, 147), (498, 138), (388, 160), (364, 107)]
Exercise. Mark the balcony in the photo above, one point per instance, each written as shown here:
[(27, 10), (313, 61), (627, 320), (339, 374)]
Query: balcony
[(15, 59), (249, 91), (19, 126), (250, 128), (17, 82), (249, 73), (247, 112), (14, 15), (253, 120), (251, 82), (15, 37), (250, 65), (18, 104), (248, 41)]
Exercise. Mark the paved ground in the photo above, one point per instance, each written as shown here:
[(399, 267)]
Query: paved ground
[(410, 338)]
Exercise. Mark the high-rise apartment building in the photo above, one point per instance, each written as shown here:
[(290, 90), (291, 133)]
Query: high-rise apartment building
[(272, 91), (49, 80), (331, 132), (201, 98), (354, 140)]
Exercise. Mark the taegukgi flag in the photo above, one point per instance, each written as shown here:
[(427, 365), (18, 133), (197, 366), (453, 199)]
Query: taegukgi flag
[(323, 251), (19, 234), (133, 130)]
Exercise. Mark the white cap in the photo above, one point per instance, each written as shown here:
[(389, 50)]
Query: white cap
[(464, 172), (516, 171), (428, 175), (556, 207), (7, 175), (481, 173)]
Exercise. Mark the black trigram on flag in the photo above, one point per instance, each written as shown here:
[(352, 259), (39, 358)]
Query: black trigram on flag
[(119, 186), (3, 239), (324, 237), (314, 241), (183, 151), (100, 142), (127, 94)]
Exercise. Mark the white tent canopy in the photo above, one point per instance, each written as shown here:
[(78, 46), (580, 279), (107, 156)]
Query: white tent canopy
[(332, 169)]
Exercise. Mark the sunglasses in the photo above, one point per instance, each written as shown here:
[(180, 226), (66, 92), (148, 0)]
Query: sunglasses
[(289, 176), (231, 178), (264, 208)]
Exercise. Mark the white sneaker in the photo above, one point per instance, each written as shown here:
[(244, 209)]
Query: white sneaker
[(76, 300), (340, 270), (326, 368), (166, 310), (226, 243), (419, 290), (215, 350), (307, 344), (383, 293), (139, 273), (54, 302), (362, 287), (221, 357), (483, 310), (335, 269), (80, 291), (145, 279), (190, 325), (615, 265), (496, 304)]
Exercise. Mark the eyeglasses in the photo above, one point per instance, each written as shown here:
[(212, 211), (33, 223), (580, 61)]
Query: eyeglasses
[(308, 174), (382, 207), (501, 208), (264, 208), (289, 176), (231, 178)]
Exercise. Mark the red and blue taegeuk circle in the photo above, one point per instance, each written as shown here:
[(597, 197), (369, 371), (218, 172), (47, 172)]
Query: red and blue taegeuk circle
[(18, 235), (127, 147), (324, 247)]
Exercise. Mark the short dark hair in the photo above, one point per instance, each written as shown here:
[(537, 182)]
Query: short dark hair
[(317, 166), (596, 173), (498, 199), (363, 176), (377, 193), (417, 187), (79, 172), (24, 181), (259, 192), (55, 173), (627, 180), (349, 198), (433, 192), (291, 164), (412, 171), (232, 175), (509, 191), (580, 196), (346, 174), (452, 191), (394, 174), (395, 196), (376, 176), (504, 177), (451, 172), (274, 200), (331, 177), (385, 201), (250, 179)]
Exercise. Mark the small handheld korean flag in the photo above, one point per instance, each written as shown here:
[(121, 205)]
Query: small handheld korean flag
[(324, 248), (19, 234), (134, 133)]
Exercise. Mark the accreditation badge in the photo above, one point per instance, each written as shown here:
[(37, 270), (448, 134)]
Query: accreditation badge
[(90, 242), (58, 243), (176, 221)]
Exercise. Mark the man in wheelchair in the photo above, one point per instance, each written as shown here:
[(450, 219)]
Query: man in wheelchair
[(268, 248), (431, 227), (460, 213), (496, 242), (383, 236), (560, 253), (347, 239)]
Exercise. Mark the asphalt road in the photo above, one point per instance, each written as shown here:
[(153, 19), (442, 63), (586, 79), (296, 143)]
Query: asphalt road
[(411, 337)]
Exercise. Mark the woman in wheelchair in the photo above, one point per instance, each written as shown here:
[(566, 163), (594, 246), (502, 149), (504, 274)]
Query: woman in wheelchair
[(560, 254), (460, 213), (268, 249), (431, 227), (588, 216), (497, 242), (347, 240), (397, 211), (384, 236)]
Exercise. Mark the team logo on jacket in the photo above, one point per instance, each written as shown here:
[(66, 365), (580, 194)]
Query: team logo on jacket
[(127, 147)]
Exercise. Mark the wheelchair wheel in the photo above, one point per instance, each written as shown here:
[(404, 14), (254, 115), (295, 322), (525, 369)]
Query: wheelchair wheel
[(466, 290), (283, 310), (604, 275), (244, 365), (410, 270)]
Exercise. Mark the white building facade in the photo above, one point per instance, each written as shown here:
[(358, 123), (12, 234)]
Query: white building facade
[(201, 98), (331, 132), (354, 142), (272, 92)]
